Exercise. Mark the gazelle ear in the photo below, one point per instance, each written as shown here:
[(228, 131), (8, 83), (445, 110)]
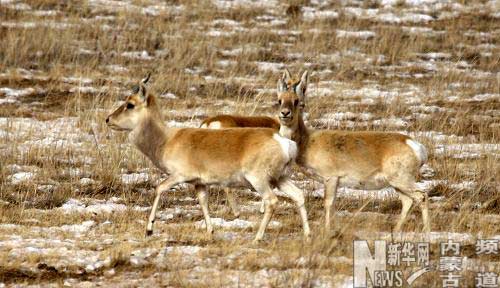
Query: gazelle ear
[(301, 88), (287, 76), (146, 79), (143, 92), (283, 81), (281, 86)]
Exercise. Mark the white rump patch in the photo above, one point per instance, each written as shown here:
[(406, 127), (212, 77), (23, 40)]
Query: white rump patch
[(204, 126), (215, 125), (288, 146), (419, 150)]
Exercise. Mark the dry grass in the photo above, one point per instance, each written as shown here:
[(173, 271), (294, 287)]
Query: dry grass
[(210, 74)]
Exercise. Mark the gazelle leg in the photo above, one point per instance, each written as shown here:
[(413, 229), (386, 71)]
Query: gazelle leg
[(262, 207), (405, 185), (329, 200), (163, 186), (201, 193), (232, 201), (270, 200), (297, 195), (407, 202), (424, 206)]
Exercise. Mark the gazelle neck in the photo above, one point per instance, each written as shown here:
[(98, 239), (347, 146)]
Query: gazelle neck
[(150, 136), (297, 131)]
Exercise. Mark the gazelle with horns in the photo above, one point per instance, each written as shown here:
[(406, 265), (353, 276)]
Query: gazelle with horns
[(256, 157), (365, 160)]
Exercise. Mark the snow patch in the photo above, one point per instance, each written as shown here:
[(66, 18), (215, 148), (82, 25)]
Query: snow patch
[(234, 224), (9, 92), (364, 35), (96, 208), (138, 55), (134, 178), (311, 14), (270, 66), (485, 97), (21, 177), (234, 4), (467, 151)]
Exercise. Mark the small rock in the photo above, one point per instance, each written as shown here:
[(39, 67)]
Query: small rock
[(110, 273), (116, 200), (137, 261), (86, 181), (20, 177), (70, 282), (85, 284), (107, 241), (89, 268), (427, 171), (45, 188)]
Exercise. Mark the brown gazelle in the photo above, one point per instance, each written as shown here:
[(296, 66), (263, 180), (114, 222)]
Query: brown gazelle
[(369, 160), (230, 121), (257, 157), (235, 121)]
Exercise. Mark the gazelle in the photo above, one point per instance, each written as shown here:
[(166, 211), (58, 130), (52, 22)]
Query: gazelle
[(369, 160), (234, 121), (255, 156)]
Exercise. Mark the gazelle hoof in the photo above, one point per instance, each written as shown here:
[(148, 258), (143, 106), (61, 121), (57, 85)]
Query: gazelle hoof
[(149, 233), (262, 209)]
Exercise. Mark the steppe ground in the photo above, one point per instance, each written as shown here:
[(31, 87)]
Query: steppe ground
[(74, 196)]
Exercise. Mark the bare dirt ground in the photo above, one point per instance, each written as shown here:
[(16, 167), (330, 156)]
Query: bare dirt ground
[(74, 196)]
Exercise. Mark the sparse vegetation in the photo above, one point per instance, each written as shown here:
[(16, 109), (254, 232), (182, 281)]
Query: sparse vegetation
[(78, 194)]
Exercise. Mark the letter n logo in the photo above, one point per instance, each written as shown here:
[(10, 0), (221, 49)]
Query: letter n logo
[(364, 261)]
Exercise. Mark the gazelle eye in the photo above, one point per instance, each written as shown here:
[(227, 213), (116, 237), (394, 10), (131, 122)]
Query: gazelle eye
[(296, 102), (130, 106)]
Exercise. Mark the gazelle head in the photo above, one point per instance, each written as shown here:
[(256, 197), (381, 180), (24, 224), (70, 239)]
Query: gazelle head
[(129, 115), (291, 97)]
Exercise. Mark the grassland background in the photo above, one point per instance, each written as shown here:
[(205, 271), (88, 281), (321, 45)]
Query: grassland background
[(421, 67)]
